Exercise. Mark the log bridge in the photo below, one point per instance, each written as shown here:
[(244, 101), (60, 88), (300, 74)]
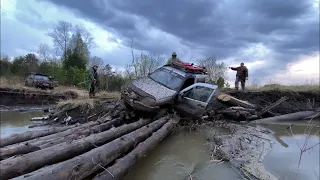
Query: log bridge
[(103, 149)]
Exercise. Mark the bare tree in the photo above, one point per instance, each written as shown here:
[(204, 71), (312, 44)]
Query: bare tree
[(214, 68), (61, 36), (86, 36), (142, 65), (95, 60), (45, 52)]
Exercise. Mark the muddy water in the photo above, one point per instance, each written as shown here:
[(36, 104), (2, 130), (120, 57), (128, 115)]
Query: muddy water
[(283, 159), (179, 156), (17, 122)]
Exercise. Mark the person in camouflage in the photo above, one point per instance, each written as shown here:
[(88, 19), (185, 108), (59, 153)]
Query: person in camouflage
[(173, 59), (93, 80), (241, 76)]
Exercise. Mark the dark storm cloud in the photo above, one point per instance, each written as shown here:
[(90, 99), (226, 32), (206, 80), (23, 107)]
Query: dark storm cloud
[(221, 28)]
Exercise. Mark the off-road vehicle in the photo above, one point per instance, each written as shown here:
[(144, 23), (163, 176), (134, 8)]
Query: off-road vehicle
[(38, 80), (179, 86)]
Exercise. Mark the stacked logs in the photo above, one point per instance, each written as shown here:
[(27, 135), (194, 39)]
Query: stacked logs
[(79, 152)]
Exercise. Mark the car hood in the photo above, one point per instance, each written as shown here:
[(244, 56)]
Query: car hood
[(152, 88)]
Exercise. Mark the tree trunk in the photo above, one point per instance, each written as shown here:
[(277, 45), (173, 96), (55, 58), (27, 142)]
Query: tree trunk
[(234, 101), (16, 138), (273, 105), (122, 166), (88, 163), (54, 139), (16, 166), (286, 117)]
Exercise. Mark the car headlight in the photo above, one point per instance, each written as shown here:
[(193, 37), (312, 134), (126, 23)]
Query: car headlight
[(148, 100)]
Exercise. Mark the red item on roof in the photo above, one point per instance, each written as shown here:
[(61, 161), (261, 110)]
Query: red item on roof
[(189, 67)]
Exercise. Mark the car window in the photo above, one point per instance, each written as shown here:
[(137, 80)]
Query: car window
[(201, 80), (39, 77), (199, 93), (167, 78)]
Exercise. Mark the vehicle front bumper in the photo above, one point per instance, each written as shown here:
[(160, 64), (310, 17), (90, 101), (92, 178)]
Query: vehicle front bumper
[(136, 104)]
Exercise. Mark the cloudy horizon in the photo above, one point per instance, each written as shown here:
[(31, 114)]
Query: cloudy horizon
[(277, 40)]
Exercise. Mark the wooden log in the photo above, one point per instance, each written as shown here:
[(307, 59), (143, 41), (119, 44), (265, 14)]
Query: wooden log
[(54, 139), (40, 118), (17, 138), (36, 136), (238, 115), (253, 111), (26, 163), (81, 167), (271, 106), (286, 117), (122, 166), (226, 98)]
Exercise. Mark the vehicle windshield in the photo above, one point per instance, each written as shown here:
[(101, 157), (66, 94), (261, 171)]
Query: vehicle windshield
[(40, 77), (167, 78)]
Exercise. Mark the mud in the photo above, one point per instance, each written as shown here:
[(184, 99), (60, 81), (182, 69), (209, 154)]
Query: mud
[(244, 148), (20, 97), (298, 101), (70, 114)]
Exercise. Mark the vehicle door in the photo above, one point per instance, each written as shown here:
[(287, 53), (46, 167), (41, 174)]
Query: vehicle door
[(194, 99), (30, 80)]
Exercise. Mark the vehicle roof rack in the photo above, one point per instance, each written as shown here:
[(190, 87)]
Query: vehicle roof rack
[(188, 68)]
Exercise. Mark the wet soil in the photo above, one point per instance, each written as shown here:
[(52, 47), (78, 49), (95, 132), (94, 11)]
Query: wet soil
[(298, 101), (20, 97), (244, 148), (70, 114)]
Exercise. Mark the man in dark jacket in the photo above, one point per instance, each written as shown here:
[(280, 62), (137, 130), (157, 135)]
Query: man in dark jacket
[(242, 75), (92, 80)]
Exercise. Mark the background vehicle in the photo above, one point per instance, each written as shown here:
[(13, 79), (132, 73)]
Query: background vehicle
[(39, 81), (179, 86)]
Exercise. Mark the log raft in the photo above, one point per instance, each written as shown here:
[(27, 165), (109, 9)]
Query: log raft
[(53, 156), (83, 166), (57, 138)]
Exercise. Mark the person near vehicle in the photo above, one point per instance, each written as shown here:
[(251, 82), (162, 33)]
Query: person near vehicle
[(93, 80), (173, 58), (241, 76)]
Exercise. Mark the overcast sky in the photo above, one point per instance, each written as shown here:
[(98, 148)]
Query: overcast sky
[(277, 40)]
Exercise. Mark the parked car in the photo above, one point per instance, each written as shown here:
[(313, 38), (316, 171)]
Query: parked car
[(180, 86), (39, 81)]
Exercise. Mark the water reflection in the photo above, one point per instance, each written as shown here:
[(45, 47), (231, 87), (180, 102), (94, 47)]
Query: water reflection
[(16, 122), (178, 156), (283, 159)]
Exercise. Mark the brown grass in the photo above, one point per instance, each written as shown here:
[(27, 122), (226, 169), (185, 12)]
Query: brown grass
[(81, 102)]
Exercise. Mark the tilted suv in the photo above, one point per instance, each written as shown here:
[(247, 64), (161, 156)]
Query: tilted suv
[(39, 81), (170, 87)]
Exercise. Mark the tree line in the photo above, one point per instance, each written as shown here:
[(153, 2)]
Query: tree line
[(69, 59)]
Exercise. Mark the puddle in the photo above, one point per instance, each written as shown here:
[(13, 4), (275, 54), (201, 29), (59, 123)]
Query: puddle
[(283, 159), (179, 155), (17, 122)]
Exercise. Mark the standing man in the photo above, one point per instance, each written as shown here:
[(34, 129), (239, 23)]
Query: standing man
[(173, 59), (93, 80), (242, 75)]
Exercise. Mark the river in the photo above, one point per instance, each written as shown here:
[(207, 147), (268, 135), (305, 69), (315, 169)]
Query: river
[(186, 154)]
